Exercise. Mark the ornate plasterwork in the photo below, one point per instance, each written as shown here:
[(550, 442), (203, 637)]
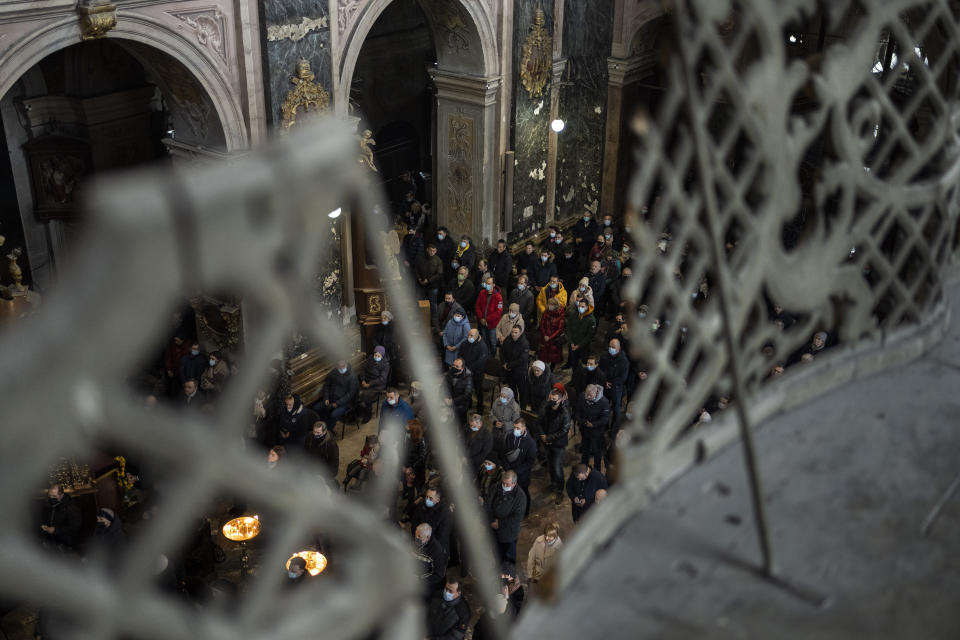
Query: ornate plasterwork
[(306, 95), (208, 25), (451, 25), (347, 10), (96, 19), (536, 63), (460, 137), (296, 32)]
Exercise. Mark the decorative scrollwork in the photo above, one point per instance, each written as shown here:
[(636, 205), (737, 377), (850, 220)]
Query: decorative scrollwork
[(535, 65), (306, 95)]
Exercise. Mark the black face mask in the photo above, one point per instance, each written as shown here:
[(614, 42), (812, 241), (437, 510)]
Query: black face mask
[(457, 372)]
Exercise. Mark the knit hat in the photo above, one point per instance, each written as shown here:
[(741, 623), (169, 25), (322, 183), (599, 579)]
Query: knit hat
[(381, 350), (107, 514), (540, 365), (559, 387)]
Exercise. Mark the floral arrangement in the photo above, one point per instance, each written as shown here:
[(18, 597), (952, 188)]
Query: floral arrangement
[(125, 482)]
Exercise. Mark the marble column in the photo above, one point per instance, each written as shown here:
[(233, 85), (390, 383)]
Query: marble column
[(622, 72), (467, 163), (551, 195)]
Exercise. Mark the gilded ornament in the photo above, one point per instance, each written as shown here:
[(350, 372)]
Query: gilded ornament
[(96, 20), (535, 64), (306, 94), (366, 152)]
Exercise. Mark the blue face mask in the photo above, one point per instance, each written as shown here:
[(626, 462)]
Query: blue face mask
[(448, 596), (553, 285), (591, 367), (471, 340), (344, 370), (582, 309), (521, 287), (544, 258), (292, 575), (503, 400), (488, 287), (489, 467), (463, 244), (384, 322), (612, 351), (586, 219), (606, 223), (377, 358), (458, 319), (430, 503), (553, 234), (194, 352), (518, 432)]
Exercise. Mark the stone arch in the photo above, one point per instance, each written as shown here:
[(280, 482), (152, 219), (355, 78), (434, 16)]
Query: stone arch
[(145, 32), (463, 35)]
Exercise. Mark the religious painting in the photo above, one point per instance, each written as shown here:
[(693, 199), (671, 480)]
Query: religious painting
[(58, 166)]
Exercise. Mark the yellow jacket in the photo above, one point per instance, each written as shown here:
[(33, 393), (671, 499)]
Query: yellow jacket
[(561, 297)]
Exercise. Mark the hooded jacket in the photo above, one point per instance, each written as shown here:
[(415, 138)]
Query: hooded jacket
[(505, 412), (559, 293), (454, 334), (587, 295)]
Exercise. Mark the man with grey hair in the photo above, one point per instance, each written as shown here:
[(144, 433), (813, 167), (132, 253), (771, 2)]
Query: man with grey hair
[(505, 506), (431, 558)]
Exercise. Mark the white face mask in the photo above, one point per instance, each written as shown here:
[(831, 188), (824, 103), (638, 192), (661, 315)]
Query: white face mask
[(513, 314)]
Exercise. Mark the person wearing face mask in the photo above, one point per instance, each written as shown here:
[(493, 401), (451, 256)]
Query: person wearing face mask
[(394, 407), (442, 315), (478, 445), (501, 264), (489, 310), (517, 451), (526, 302), (580, 327), (616, 369), (385, 334), (584, 232), (465, 255), (505, 409), (540, 379), (583, 292), (458, 383), (545, 269), (601, 247), (213, 377), (411, 246), (296, 572), (448, 615), (553, 290), (593, 416), (555, 427), (321, 447), (192, 364), (462, 288), (587, 373), (475, 354), (432, 509), (543, 552), (275, 456), (454, 334), (416, 452), (338, 395), (552, 326), (507, 321), (428, 271), (60, 520), (514, 355), (373, 381), (446, 247), (488, 476), (296, 421), (505, 506), (418, 402), (431, 559)]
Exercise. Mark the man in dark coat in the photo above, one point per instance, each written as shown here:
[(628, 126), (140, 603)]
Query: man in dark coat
[(474, 354), (523, 297), (569, 267), (582, 487), (384, 335), (435, 511), (555, 425), (431, 557), (373, 381), (545, 269), (593, 416), (462, 288), (412, 248), (517, 451), (585, 233), (445, 249), (448, 614), (338, 395), (322, 447), (580, 327), (527, 260), (442, 315), (514, 355), (478, 444), (464, 255), (616, 368), (459, 384), (428, 271), (60, 519), (109, 537), (296, 422), (192, 364), (587, 373), (505, 506), (501, 264), (537, 385)]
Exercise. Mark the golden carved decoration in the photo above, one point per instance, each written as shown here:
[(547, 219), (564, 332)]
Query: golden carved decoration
[(306, 94), (375, 304), (536, 60), (97, 20), (366, 153)]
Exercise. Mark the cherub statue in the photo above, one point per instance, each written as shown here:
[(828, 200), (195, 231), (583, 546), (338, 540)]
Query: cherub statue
[(366, 152)]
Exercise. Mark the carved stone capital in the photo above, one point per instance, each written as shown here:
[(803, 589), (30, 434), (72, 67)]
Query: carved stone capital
[(625, 71), (96, 19), (559, 66)]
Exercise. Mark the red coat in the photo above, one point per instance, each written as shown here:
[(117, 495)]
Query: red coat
[(490, 307), (551, 326)]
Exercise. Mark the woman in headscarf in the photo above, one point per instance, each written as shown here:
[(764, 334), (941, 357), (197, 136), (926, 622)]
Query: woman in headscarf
[(454, 334), (582, 292), (505, 409)]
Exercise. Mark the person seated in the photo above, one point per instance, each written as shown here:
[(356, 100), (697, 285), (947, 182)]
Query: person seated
[(339, 393), (373, 381), (296, 422), (395, 407), (359, 469)]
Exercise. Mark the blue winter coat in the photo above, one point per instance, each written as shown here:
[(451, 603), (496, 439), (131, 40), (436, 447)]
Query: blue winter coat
[(454, 334)]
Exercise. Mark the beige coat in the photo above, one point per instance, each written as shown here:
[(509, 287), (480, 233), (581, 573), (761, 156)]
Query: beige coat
[(505, 326), (542, 557)]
